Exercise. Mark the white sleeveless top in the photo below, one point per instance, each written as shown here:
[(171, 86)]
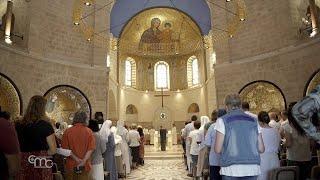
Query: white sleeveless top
[(271, 139)]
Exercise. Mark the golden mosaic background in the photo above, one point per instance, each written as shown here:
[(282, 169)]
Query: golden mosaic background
[(63, 102), (9, 97), (313, 83), (262, 96), (183, 28)]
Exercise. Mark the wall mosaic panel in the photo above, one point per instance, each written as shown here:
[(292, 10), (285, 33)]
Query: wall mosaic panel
[(64, 101), (9, 97), (315, 80), (263, 96)]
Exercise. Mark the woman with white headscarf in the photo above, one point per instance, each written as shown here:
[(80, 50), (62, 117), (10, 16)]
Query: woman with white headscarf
[(123, 132), (204, 121), (203, 154), (109, 158), (118, 152)]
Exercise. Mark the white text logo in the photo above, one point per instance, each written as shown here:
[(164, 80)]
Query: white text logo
[(40, 162)]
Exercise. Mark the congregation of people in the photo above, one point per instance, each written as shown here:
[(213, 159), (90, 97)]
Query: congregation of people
[(238, 144), (34, 147), (234, 144)]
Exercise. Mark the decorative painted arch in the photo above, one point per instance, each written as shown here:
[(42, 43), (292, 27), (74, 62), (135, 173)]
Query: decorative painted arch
[(64, 101), (131, 109), (263, 96), (10, 97), (193, 108), (313, 81), (124, 10)]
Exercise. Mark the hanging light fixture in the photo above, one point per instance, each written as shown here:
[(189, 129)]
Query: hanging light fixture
[(88, 2), (8, 23)]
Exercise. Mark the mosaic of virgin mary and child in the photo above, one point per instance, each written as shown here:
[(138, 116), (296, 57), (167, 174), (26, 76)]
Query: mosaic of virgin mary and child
[(154, 38)]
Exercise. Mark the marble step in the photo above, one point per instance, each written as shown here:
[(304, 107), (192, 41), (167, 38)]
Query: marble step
[(162, 157)]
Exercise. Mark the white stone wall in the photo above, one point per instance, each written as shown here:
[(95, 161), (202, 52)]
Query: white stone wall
[(177, 103)]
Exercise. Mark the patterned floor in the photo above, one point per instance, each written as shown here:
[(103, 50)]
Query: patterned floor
[(168, 165), (171, 169)]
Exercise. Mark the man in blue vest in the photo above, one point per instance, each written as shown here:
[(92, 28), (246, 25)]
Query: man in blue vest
[(239, 142)]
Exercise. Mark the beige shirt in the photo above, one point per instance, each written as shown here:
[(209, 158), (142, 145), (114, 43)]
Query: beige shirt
[(300, 148)]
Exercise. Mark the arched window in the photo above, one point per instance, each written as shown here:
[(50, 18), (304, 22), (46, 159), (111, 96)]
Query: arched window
[(193, 71), (130, 72), (161, 76)]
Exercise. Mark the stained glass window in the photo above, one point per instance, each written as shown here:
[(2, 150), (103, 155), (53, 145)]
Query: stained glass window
[(193, 71), (130, 72), (162, 76), (128, 81)]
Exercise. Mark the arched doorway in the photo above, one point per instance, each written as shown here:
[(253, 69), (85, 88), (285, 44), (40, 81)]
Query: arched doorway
[(131, 114), (64, 101), (10, 98), (112, 106), (263, 96), (313, 82)]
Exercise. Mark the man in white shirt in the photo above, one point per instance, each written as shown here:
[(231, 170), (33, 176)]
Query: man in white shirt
[(274, 120), (134, 143), (188, 128), (240, 156), (194, 138)]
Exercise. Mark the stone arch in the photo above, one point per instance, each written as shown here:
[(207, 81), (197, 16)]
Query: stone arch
[(10, 97), (263, 96), (112, 106), (64, 101), (74, 82), (313, 81), (193, 108)]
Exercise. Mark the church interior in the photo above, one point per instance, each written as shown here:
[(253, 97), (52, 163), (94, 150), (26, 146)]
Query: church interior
[(156, 63)]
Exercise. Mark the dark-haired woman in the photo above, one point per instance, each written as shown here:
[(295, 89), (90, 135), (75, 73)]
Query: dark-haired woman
[(37, 139), (298, 146), (97, 172), (271, 139), (141, 147)]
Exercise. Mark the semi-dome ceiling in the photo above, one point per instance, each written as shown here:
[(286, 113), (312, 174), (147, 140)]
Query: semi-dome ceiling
[(124, 10), (160, 31)]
